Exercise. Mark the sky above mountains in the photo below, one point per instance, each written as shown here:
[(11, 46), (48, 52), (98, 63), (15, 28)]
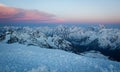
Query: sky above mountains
[(57, 11)]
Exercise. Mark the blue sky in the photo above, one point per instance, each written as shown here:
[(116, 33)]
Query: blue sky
[(76, 10)]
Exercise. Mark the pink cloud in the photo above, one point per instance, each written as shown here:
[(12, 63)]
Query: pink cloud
[(17, 14)]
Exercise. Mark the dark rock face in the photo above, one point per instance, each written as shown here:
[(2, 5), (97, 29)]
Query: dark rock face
[(2, 37), (12, 40), (94, 45)]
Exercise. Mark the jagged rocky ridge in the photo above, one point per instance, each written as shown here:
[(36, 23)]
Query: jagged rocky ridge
[(73, 39), (35, 38)]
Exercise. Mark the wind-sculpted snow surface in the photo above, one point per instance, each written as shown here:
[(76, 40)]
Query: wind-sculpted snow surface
[(22, 58), (74, 39)]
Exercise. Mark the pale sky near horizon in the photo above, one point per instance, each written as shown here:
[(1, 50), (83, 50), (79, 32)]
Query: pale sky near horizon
[(98, 10)]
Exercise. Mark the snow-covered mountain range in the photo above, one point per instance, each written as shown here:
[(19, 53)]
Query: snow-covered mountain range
[(73, 39)]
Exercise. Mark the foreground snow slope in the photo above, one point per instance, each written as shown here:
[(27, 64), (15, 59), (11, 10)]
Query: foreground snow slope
[(21, 58)]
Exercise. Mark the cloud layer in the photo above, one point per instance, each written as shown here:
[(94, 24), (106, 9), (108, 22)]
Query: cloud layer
[(17, 14)]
